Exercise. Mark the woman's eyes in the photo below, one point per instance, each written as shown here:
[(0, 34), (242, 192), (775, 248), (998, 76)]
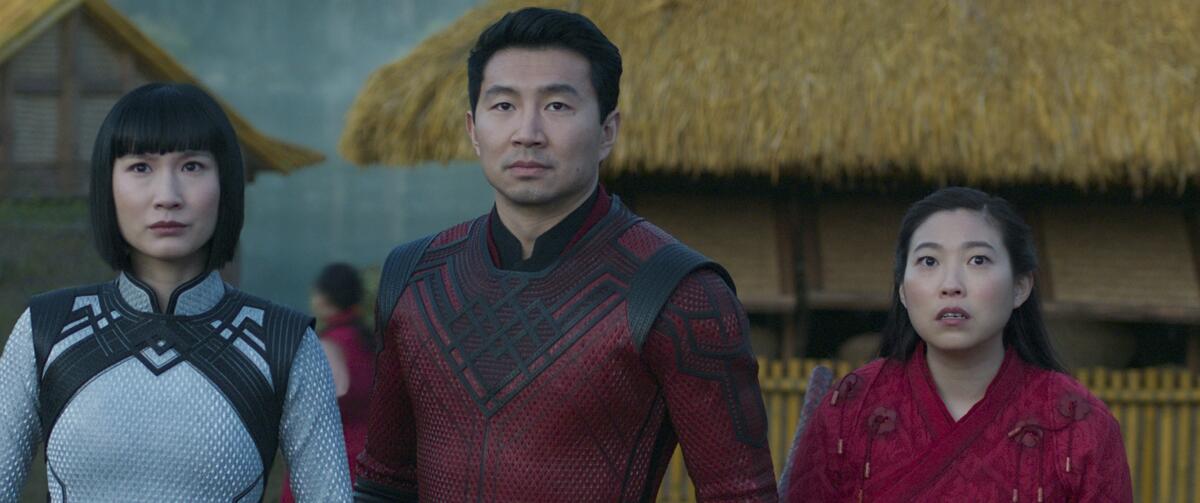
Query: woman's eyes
[(979, 260), (139, 167), (974, 260), (192, 166)]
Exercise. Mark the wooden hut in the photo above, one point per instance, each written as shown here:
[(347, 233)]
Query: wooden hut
[(63, 63), (785, 138)]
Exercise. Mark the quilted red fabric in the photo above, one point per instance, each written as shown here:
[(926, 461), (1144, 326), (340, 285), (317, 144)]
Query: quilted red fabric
[(514, 386), (884, 435)]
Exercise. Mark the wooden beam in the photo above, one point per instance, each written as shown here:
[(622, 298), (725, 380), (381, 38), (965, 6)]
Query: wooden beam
[(1191, 219), (1147, 313), (44, 86), (848, 301), (805, 256), (68, 103), (1045, 276), (786, 236), (6, 129), (93, 86), (126, 68), (1193, 350), (808, 215)]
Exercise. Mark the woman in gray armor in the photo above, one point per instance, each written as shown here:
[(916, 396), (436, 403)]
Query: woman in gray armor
[(166, 383)]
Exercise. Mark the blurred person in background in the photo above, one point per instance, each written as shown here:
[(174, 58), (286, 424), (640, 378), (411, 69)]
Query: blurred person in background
[(166, 383), (968, 401), (350, 347)]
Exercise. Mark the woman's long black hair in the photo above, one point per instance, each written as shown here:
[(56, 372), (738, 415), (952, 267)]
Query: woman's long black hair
[(1025, 331)]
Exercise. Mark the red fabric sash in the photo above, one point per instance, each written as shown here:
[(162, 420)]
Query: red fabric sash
[(907, 482)]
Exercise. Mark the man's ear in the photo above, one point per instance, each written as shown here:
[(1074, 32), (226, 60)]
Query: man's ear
[(609, 128), (471, 131)]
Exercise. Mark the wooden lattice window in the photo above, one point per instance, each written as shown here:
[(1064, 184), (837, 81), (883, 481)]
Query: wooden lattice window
[(56, 92)]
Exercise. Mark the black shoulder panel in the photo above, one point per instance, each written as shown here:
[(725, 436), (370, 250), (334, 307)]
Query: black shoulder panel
[(49, 313), (655, 281), (394, 278)]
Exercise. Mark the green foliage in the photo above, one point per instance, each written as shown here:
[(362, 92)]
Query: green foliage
[(47, 245)]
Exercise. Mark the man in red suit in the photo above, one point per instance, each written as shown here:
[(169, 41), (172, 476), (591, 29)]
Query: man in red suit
[(559, 347)]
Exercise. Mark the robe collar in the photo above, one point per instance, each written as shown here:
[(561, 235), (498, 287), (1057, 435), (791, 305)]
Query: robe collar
[(193, 297)]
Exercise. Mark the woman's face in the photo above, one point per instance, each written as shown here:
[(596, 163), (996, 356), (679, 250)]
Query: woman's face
[(958, 285), (167, 205), (321, 306)]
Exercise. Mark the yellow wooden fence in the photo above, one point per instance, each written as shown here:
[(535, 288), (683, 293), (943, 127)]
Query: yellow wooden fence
[(1158, 410)]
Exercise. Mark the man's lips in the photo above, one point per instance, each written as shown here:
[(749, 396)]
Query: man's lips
[(527, 168)]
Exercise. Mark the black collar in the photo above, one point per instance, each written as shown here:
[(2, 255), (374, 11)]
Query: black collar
[(547, 247)]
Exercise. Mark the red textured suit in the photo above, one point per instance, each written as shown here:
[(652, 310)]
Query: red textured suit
[(500, 385), (884, 435)]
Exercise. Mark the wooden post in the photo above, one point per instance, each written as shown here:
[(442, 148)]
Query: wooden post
[(6, 130), (1191, 217), (1045, 278), (68, 103), (806, 269), (1193, 350), (785, 239)]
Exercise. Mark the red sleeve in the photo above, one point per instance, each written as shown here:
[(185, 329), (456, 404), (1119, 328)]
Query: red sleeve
[(699, 349), (1102, 458), (809, 477), (387, 467)]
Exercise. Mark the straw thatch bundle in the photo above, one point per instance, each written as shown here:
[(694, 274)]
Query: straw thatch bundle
[(1088, 93)]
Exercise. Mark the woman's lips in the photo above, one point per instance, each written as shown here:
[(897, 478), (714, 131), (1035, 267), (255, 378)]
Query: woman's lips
[(952, 316), (168, 228)]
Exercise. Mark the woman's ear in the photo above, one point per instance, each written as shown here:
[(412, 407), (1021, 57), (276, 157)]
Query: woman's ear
[(900, 292), (1022, 288)]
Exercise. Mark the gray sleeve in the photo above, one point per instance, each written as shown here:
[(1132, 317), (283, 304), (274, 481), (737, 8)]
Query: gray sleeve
[(311, 429), (20, 427)]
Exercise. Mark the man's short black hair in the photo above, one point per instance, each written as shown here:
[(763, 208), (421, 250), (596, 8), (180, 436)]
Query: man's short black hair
[(535, 28), (158, 118)]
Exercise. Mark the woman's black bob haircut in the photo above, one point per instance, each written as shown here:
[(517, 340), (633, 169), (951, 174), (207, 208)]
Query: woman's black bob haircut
[(1025, 331), (158, 118)]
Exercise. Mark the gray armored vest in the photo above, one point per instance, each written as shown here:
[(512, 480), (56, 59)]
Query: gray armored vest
[(196, 395)]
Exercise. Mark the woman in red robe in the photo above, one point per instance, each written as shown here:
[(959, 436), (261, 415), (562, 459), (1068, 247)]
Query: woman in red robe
[(968, 401)]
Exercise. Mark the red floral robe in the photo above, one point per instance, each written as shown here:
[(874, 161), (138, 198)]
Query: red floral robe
[(883, 434)]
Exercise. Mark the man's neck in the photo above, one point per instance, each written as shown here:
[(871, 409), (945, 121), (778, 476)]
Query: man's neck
[(165, 276), (528, 223), (962, 377)]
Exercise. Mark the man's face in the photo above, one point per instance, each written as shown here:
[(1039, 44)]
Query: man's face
[(537, 128)]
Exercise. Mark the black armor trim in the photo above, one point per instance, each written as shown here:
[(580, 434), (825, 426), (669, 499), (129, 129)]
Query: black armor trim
[(197, 340), (394, 278), (657, 279)]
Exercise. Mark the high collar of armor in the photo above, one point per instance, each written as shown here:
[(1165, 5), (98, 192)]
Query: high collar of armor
[(193, 297)]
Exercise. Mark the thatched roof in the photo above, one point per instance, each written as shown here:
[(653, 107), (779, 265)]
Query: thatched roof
[(23, 20), (1086, 93)]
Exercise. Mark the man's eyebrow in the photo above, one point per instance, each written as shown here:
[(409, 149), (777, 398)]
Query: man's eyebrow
[(498, 89), (559, 89)]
